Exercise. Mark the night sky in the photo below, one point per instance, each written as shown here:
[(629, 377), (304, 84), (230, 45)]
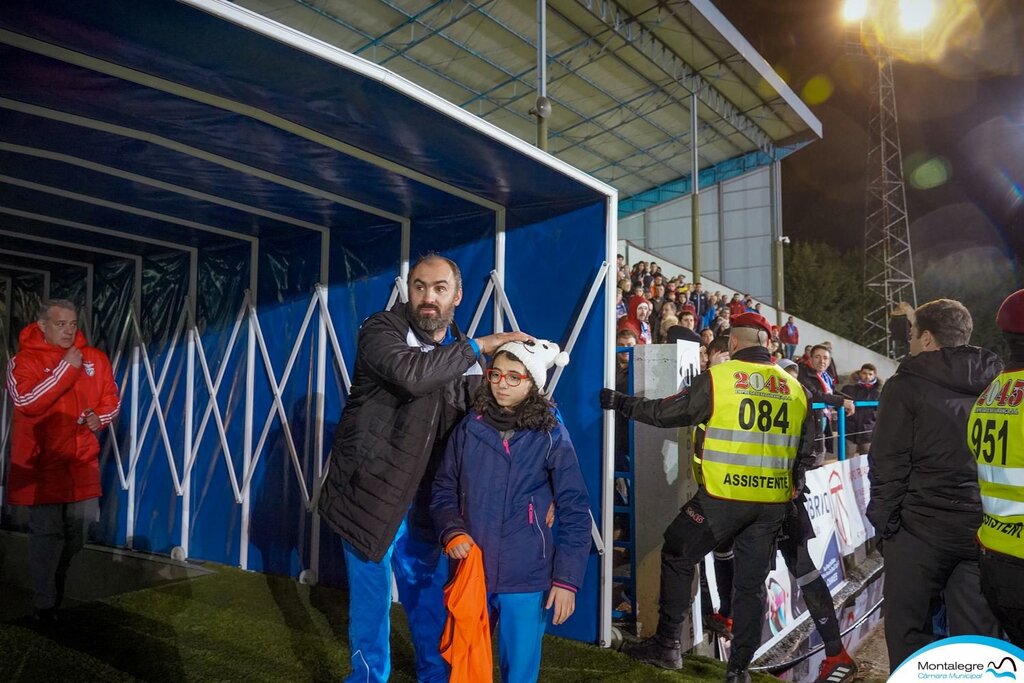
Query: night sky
[(961, 118)]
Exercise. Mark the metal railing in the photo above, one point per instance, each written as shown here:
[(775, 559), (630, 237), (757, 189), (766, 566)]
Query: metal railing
[(841, 433)]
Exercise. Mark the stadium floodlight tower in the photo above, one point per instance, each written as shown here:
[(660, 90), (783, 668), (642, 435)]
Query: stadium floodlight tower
[(885, 29)]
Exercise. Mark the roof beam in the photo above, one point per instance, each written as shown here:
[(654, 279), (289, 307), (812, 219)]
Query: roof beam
[(504, 70), (642, 39), (726, 63), (236, 107), (621, 104), (410, 21), (188, 150), (498, 67), (159, 184), (684, 103)]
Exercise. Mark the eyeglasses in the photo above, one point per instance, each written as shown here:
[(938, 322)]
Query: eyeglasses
[(512, 378)]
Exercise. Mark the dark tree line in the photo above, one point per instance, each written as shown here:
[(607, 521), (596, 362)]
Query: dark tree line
[(826, 287)]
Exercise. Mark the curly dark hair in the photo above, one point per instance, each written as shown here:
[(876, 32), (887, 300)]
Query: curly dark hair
[(535, 412)]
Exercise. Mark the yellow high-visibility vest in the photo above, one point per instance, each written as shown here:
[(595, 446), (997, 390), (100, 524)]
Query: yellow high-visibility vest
[(752, 438), (995, 434)]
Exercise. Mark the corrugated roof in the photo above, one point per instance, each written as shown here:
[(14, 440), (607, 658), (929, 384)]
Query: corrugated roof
[(620, 75)]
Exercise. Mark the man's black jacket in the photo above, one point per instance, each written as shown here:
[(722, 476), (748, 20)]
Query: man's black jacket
[(402, 406), (694, 406), (923, 476), (860, 425), (810, 381)]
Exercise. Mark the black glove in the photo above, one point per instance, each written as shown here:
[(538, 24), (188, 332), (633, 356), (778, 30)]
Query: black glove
[(612, 400)]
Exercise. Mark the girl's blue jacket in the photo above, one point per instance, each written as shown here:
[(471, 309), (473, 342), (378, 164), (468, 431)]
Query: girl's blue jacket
[(498, 491)]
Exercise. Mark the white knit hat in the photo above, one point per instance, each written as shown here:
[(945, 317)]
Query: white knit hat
[(537, 356)]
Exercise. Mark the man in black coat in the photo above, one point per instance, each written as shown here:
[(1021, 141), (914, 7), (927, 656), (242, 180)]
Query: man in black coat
[(866, 387), (925, 500), (415, 376)]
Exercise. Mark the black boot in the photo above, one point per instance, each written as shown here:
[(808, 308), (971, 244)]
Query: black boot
[(659, 651), (741, 676)]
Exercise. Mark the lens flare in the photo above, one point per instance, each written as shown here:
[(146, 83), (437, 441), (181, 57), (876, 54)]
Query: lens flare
[(927, 31), (855, 10), (818, 89), (931, 174), (915, 15)]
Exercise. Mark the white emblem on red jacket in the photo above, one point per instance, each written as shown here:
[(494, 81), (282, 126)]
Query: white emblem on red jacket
[(89, 369)]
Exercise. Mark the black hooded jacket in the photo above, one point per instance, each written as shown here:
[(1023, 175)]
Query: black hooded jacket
[(403, 404), (923, 476)]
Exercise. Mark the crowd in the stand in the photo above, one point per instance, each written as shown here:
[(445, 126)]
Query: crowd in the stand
[(655, 309)]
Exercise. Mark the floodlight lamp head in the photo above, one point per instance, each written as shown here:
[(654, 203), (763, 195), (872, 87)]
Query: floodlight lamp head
[(542, 109), (855, 10)]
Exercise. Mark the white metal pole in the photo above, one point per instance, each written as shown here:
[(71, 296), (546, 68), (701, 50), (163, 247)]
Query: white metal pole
[(133, 454), (542, 74), (186, 484), (695, 190), (250, 385), (318, 421), (608, 450), (488, 290), (499, 265), (133, 440), (581, 319), (190, 382), (247, 440), (778, 251), (405, 249)]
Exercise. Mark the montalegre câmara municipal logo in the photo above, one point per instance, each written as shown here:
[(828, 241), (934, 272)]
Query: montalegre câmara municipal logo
[(964, 658)]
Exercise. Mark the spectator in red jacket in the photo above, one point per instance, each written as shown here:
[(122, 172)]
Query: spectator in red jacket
[(637, 320), (64, 394), (736, 306), (789, 335)]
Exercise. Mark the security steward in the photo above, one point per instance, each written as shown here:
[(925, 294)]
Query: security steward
[(758, 440), (995, 434)]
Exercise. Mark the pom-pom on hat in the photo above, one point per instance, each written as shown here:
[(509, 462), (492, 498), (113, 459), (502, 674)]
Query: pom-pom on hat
[(537, 356), (1010, 317)]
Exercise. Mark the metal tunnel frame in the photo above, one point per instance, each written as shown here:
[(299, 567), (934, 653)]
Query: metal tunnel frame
[(140, 373)]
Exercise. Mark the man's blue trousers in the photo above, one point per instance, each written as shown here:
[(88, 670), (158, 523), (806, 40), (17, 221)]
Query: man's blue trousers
[(420, 570)]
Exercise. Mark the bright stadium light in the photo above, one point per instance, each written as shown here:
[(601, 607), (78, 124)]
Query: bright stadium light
[(915, 15), (855, 10)]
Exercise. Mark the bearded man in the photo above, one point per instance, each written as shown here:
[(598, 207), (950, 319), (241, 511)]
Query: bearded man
[(415, 377)]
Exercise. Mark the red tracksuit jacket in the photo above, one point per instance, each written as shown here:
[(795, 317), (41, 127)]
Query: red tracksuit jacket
[(54, 459)]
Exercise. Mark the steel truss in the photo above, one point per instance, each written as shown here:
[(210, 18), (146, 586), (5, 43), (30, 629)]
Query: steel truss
[(888, 260)]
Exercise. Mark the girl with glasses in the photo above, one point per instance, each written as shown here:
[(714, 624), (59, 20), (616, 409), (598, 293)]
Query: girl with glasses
[(505, 464)]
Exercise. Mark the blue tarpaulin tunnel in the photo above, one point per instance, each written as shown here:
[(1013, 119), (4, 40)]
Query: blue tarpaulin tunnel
[(227, 199)]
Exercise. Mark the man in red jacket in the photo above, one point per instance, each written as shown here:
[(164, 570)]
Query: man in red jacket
[(64, 393), (789, 335)]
